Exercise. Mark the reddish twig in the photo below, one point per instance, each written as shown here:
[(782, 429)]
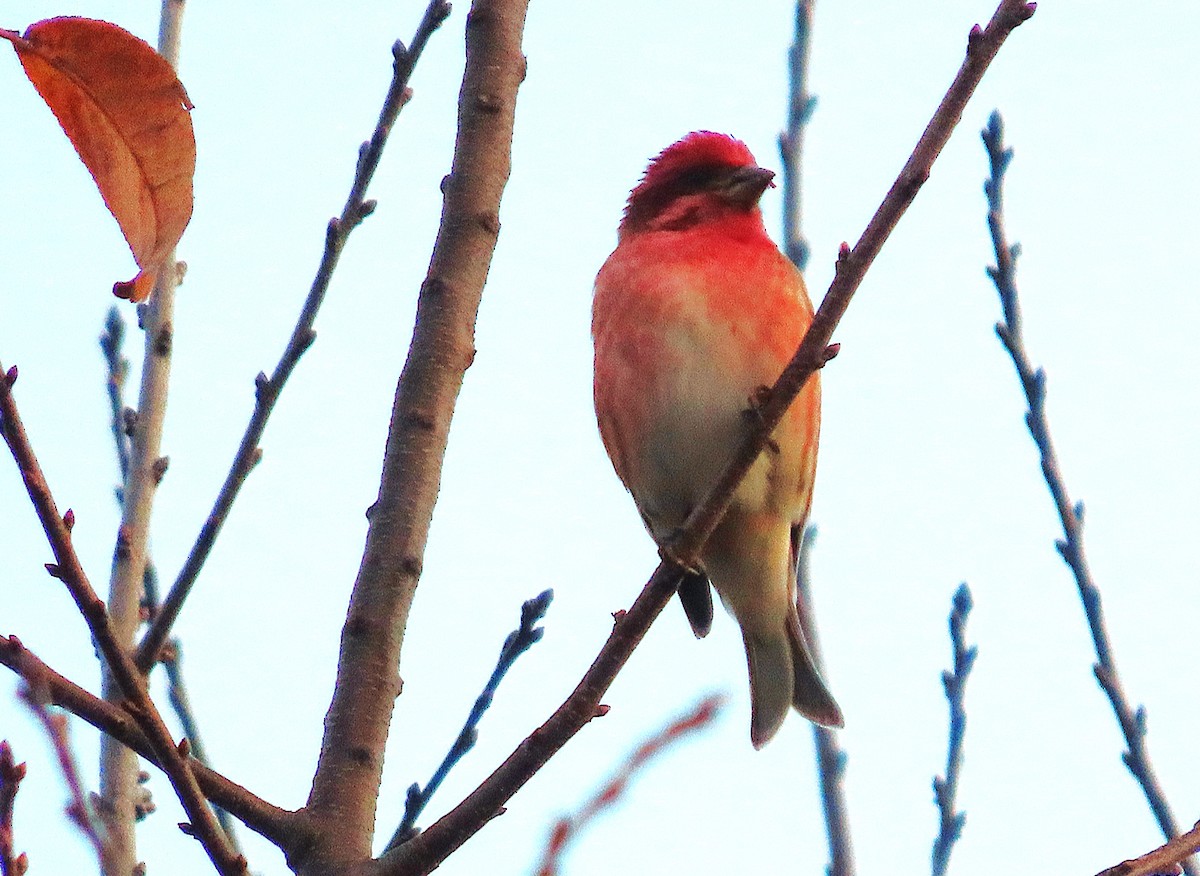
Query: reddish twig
[(1163, 860), (424, 852), (267, 390), (55, 725), (568, 828), (127, 678), (11, 774)]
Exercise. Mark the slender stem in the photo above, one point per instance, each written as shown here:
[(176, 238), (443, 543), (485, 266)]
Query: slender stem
[(346, 783), (55, 725), (119, 787), (425, 851), (831, 758), (518, 642), (564, 832), (1033, 381), (267, 390), (791, 142), (11, 774), (126, 678), (945, 789)]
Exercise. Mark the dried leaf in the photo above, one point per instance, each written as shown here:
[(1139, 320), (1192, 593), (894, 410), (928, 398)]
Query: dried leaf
[(126, 113)]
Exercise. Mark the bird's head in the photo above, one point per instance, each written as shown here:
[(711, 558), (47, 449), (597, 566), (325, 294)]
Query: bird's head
[(702, 177)]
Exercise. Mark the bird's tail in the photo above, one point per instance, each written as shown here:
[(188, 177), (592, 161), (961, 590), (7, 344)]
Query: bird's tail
[(783, 675)]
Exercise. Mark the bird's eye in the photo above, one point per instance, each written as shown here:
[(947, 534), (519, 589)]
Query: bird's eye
[(702, 179)]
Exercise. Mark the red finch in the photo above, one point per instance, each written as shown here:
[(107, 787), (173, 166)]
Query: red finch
[(694, 311)]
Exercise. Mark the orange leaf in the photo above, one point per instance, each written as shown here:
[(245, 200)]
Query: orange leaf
[(126, 113)]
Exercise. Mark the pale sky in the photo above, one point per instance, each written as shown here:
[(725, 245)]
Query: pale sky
[(926, 478)]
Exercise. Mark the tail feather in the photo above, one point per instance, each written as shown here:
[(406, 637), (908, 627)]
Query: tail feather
[(696, 597), (771, 684), (810, 696)]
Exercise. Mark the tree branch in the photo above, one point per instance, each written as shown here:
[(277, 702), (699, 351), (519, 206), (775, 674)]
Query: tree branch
[(517, 643), (11, 775), (346, 783), (1033, 382), (119, 788), (127, 679), (278, 825), (267, 390), (1164, 859), (424, 852)]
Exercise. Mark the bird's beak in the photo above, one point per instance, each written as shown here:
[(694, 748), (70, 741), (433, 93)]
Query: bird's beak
[(746, 185)]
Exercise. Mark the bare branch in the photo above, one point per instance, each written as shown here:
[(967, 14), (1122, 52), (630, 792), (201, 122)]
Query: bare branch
[(1033, 381), (950, 822), (567, 829), (346, 783), (128, 681), (267, 390), (278, 825), (831, 758), (1165, 859), (518, 642), (424, 852), (11, 774), (119, 790), (55, 725)]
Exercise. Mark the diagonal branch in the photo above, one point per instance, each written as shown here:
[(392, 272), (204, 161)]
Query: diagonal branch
[(426, 851), (277, 825), (345, 786), (517, 643), (1033, 381), (1165, 859), (126, 677), (267, 390)]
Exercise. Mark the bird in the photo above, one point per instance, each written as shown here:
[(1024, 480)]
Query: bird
[(694, 315)]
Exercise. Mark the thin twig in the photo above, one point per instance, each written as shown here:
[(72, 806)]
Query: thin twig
[(1167, 858), (267, 390), (111, 341), (11, 774), (425, 851), (831, 758), (1033, 381), (178, 698), (945, 789), (518, 642), (127, 679), (278, 825), (568, 828), (55, 725), (791, 142), (345, 786)]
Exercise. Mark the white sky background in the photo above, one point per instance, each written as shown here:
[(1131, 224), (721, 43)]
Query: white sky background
[(927, 475)]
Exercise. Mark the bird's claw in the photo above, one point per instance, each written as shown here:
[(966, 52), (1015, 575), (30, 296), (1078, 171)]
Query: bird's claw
[(753, 414), (666, 552)]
